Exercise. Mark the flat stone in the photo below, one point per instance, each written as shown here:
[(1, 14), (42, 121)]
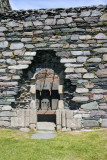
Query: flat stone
[(73, 46), (102, 73), (71, 76), (12, 24), (4, 123), (89, 85), (7, 114), (97, 113), (97, 96), (100, 36), (69, 114), (80, 53), (104, 123), (16, 46), (38, 32), (56, 45), (103, 106), (26, 39), (44, 135), (18, 67), (63, 14), (74, 123), (90, 106), (85, 14), (47, 28), (30, 54), (27, 24), (83, 45), (38, 23), (44, 16), (40, 45), (46, 126), (80, 70), (81, 59), (75, 37), (73, 65), (100, 50), (95, 13), (2, 39), (4, 44), (24, 129), (91, 19), (2, 70), (89, 75), (8, 83), (98, 91), (50, 21), (67, 60), (61, 21), (29, 46), (7, 54), (80, 99), (11, 61), (90, 123), (105, 57), (68, 70), (103, 17), (68, 20), (82, 90), (19, 52), (78, 116), (94, 60), (83, 37), (2, 29), (6, 108), (28, 34)]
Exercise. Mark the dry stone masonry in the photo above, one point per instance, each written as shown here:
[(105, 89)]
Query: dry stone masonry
[(69, 43)]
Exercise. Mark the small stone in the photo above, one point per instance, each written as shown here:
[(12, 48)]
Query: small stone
[(7, 114), (7, 54), (73, 46), (4, 44), (68, 70), (76, 53), (80, 70), (24, 129), (56, 45), (18, 67), (50, 22), (85, 13), (2, 39), (83, 45), (19, 52), (97, 113), (47, 28), (63, 14), (29, 46), (96, 13), (11, 61), (89, 75), (81, 59), (6, 108), (83, 37), (100, 36), (28, 24), (104, 17), (82, 90), (104, 57), (73, 65), (68, 20), (61, 21), (74, 123), (74, 37), (89, 85), (38, 23), (94, 60), (91, 19), (67, 60), (26, 39), (38, 32), (12, 24), (4, 123), (90, 106), (80, 99), (16, 46), (70, 76), (28, 34), (44, 16), (102, 73), (99, 91), (30, 54), (97, 96), (100, 50), (2, 29)]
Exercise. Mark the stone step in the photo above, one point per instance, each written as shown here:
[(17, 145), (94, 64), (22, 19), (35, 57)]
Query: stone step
[(49, 126), (44, 135)]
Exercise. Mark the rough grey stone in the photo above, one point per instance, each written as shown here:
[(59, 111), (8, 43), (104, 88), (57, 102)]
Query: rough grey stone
[(90, 123), (96, 13), (7, 114), (80, 99), (29, 46), (68, 20), (74, 123), (4, 44), (50, 21), (81, 59), (102, 73), (80, 70), (101, 50), (104, 123), (83, 37), (2, 29), (67, 60), (12, 24), (37, 23), (7, 54), (104, 57), (80, 53), (94, 60), (4, 123), (75, 37), (24, 129), (85, 13), (16, 46), (89, 75), (97, 113), (61, 21), (44, 135), (100, 36), (103, 17), (97, 96), (6, 108), (82, 90), (18, 67), (11, 61), (69, 114), (30, 53), (63, 14), (90, 106)]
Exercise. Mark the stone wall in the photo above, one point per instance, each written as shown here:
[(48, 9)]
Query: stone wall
[(4, 5), (78, 38)]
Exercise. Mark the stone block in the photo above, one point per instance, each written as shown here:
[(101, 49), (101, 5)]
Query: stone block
[(32, 104), (37, 23), (69, 114), (103, 17), (80, 70), (24, 129), (12, 24), (105, 57), (68, 20), (89, 75), (77, 53), (80, 99), (90, 123), (27, 24), (30, 54), (97, 96), (2, 29), (7, 114), (61, 21), (50, 21), (60, 89), (95, 13), (68, 70), (97, 113), (94, 60), (82, 90), (90, 106), (60, 104), (102, 73), (63, 118), (68, 60), (6, 108), (100, 50), (71, 76), (18, 67), (75, 37), (98, 91), (58, 117), (33, 89), (4, 44), (74, 123), (33, 116), (16, 46), (104, 123), (73, 65), (81, 59), (8, 83), (85, 14), (83, 37), (100, 36), (4, 124)]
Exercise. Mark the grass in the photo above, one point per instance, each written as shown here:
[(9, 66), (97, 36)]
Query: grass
[(16, 145)]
